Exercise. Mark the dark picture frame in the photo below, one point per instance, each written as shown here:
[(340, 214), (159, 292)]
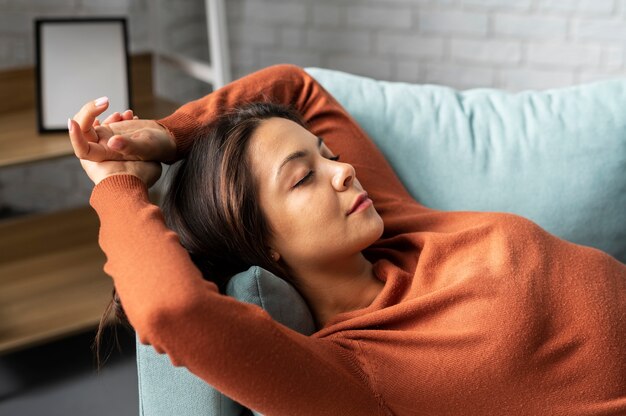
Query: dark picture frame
[(78, 60)]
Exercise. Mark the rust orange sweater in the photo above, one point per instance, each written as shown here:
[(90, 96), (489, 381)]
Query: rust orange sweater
[(481, 313)]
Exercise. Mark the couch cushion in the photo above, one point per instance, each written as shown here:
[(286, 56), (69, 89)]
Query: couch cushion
[(556, 157), (168, 390)]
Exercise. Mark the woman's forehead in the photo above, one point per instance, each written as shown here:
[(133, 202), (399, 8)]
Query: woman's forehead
[(276, 137)]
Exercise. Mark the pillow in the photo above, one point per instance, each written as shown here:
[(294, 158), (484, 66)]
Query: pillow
[(556, 157), (168, 390), (284, 304)]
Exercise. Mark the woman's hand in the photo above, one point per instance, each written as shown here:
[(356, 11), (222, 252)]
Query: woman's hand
[(148, 172), (120, 137)]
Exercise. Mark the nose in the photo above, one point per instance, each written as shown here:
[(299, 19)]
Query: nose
[(343, 177)]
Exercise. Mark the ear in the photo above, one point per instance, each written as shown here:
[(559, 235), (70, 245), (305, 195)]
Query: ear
[(274, 254)]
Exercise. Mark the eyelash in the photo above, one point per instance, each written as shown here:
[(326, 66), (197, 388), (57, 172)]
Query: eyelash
[(311, 172)]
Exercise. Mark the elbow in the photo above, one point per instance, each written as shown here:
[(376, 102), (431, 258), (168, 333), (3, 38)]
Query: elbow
[(156, 326)]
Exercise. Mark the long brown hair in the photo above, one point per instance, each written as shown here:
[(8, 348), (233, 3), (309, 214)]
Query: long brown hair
[(211, 203)]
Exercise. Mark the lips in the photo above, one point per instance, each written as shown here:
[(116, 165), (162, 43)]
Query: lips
[(362, 197)]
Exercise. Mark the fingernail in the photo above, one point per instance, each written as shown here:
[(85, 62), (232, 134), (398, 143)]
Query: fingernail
[(101, 101), (69, 124)]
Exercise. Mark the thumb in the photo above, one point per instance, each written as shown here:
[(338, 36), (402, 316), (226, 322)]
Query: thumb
[(130, 149)]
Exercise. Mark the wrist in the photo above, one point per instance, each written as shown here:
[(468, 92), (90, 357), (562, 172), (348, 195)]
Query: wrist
[(110, 175)]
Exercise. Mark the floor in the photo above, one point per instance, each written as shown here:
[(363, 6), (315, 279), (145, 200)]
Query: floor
[(60, 379)]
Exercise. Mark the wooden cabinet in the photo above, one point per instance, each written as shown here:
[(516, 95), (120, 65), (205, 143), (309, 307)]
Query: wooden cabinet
[(51, 278)]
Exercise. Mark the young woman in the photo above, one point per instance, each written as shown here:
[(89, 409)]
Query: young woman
[(437, 313)]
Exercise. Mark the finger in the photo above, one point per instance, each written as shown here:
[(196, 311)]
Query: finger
[(126, 146), (88, 113), (118, 143), (113, 118), (127, 115), (135, 117), (82, 147), (96, 123)]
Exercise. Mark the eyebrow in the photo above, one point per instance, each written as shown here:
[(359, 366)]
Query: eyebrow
[(297, 155)]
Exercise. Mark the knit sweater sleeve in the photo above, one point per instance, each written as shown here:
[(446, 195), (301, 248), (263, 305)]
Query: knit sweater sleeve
[(234, 346), (325, 116)]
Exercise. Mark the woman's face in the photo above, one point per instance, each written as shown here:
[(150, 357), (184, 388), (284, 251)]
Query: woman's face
[(307, 197)]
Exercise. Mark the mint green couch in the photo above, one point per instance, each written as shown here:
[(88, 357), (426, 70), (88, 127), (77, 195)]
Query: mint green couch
[(557, 157)]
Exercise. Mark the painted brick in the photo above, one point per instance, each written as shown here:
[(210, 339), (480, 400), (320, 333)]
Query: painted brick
[(361, 65), (599, 7), (109, 4), (364, 16), (599, 29), (16, 23), (563, 54), (24, 52), (41, 5), (498, 4), (301, 58), (486, 51), (559, 6), (408, 71), (327, 15), (400, 2), (181, 37), (172, 10), (234, 10), (409, 45), (291, 37), (530, 26), (460, 77), (252, 34), (517, 79), (453, 21), (275, 11), (243, 56), (6, 58), (338, 40), (585, 77), (613, 57), (242, 71)]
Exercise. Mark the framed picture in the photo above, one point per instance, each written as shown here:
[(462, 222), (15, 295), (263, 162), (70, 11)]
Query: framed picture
[(79, 60)]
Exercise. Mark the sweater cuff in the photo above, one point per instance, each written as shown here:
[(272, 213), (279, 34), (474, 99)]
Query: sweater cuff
[(116, 191), (184, 128)]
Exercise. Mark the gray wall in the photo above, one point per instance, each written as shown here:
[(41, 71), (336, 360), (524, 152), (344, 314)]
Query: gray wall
[(507, 44)]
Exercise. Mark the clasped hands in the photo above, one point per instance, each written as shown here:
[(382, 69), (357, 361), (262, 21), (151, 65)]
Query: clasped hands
[(121, 144)]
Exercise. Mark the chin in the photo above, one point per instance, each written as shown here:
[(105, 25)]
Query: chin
[(374, 230)]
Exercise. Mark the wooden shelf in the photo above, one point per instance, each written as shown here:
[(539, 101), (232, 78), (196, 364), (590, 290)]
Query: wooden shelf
[(21, 143), (51, 278)]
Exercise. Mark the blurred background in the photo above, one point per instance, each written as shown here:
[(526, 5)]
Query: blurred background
[(506, 44)]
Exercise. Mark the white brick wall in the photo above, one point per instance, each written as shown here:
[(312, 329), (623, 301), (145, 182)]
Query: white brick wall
[(504, 44), (508, 44), (401, 38)]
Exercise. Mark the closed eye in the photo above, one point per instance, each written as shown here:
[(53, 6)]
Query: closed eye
[(310, 174), (305, 179)]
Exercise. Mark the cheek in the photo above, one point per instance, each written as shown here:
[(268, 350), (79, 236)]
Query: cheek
[(305, 219)]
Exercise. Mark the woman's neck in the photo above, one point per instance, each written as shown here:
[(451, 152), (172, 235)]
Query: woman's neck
[(339, 287)]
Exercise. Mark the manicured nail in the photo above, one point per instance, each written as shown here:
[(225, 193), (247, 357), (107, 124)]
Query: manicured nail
[(69, 124), (101, 101)]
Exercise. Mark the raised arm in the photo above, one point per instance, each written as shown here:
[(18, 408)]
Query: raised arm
[(290, 84), (233, 346)]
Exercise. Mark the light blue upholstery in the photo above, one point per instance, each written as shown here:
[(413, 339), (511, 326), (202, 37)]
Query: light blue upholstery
[(557, 157), (168, 390)]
